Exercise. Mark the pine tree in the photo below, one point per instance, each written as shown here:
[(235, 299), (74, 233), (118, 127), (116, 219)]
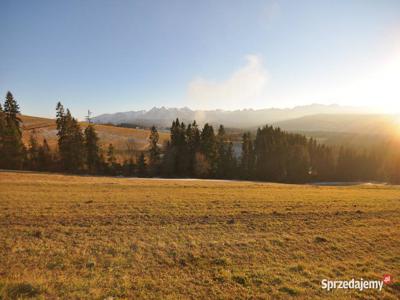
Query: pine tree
[(154, 151), (193, 145), (247, 159), (2, 136), (11, 109), (208, 147), (13, 150), (141, 166), (45, 160), (33, 152), (92, 148), (298, 163), (176, 161), (70, 141), (111, 160), (224, 154), (128, 167)]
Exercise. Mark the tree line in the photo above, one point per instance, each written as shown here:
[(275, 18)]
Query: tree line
[(271, 155)]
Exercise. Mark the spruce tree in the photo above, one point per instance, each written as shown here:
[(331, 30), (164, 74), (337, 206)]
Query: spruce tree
[(45, 160), (92, 149), (2, 136), (111, 160), (141, 165), (208, 147), (11, 109), (221, 159), (128, 168), (33, 152), (193, 146), (70, 141), (154, 151), (247, 159), (13, 150)]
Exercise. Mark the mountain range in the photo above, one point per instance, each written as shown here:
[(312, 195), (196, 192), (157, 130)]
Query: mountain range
[(245, 118)]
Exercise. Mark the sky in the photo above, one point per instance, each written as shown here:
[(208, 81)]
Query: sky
[(115, 55)]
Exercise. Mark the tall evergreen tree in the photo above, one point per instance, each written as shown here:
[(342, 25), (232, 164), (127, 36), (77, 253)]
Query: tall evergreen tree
[(208, 148), (70, 141), (177, 161), (45, 158), (33, 152), (225, 160), (11, 109), (3, 125), (111, 160), (154, 151), (128, 168), (141, 165), (13, 150), (92, 150), (193, 146), (247, 158)]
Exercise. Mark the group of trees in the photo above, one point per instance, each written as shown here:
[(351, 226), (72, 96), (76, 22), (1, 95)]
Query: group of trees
[(192, 152), (78, 151), (272, 155)]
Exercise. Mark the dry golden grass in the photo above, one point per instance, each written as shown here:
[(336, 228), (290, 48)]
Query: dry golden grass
[(118, 136), (91, 238)]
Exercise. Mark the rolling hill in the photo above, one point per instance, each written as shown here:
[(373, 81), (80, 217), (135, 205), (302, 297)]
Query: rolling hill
[(125, 140), (350, 123)]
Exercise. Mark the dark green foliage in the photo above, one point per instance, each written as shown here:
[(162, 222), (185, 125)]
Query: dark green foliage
[(112, 165), (70, 141), (193, 146), (11, 146), (225, 160), (154, 151), (11, 109), (20, 290), (45, 157), (247, 158), (177, 158), (280, 156), (322, 161), (33, 152), (208, 148), (141, 166), (93, 162), (129, 168)]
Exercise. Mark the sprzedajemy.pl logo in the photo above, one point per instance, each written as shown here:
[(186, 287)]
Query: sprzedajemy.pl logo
[(359, 284)]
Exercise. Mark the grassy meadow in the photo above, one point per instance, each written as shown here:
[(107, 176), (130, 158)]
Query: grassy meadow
[(81, 237)]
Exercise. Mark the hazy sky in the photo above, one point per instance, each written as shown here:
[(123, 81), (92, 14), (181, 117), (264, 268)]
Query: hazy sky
[(119, 55)]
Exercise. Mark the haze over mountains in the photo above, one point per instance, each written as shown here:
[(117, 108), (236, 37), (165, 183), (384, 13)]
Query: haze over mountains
[(315, 117), (237, 119)]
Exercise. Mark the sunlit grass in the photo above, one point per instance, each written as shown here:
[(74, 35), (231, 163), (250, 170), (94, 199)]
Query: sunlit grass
[(94, 237)]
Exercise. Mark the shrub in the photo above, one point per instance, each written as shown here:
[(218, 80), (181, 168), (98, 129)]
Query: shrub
[(319, 240), (19, 290)]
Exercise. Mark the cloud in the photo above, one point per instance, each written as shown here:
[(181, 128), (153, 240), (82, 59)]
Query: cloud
[(243, 88)]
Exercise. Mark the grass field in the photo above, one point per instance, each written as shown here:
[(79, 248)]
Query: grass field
[(76, 237)]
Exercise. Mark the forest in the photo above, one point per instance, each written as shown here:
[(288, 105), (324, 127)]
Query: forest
[(193, 152)]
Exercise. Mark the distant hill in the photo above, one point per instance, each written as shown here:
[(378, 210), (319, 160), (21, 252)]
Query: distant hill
[(123, 139), (245, 118), (350, 123)]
